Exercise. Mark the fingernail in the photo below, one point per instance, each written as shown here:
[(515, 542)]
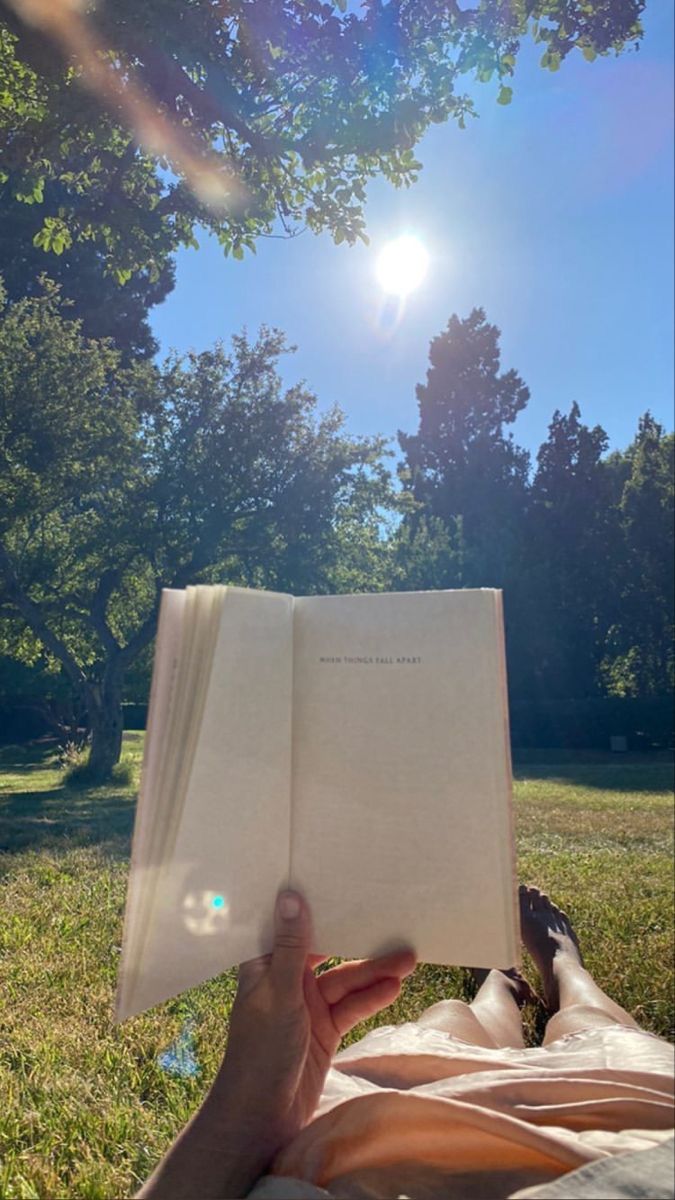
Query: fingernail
[(289, 906)]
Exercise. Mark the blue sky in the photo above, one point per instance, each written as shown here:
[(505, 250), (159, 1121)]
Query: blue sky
[(554, 213)]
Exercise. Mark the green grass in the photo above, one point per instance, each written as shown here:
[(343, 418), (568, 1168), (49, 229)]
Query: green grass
[(86, 1111)]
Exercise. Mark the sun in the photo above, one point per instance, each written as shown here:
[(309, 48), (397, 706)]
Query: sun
[(402, 265)]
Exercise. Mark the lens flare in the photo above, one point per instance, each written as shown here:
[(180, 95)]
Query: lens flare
[(205, 912)]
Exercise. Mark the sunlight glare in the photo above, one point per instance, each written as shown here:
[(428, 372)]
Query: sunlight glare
[(402, 265)]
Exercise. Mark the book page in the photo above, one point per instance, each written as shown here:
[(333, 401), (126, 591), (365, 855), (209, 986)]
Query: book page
[(215, 884), (401, 826)]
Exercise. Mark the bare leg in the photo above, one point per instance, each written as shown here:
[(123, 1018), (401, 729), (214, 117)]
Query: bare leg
[(493, 1017), (571, 994)]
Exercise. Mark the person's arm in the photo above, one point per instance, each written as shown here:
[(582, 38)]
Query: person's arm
[(219, 1153), (286, 1025)]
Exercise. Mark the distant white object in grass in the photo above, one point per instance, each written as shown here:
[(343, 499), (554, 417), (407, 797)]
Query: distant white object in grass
[(402, 265)]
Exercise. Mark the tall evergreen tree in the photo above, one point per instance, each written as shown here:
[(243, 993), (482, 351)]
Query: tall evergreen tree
[(572, 539), (461, 466), (640, 658)]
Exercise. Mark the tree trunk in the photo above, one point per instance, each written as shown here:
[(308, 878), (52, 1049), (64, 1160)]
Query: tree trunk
[(105, 714)]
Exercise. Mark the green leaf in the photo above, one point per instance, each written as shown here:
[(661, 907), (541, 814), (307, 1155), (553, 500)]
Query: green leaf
[(505, 95), (551, 59), (36, 196), (589, 54), (238, 252)]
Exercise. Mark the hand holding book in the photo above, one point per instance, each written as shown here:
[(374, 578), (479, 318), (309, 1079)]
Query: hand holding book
[(285, 1028)]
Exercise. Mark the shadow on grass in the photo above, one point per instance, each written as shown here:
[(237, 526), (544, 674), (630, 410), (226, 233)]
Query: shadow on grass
[(33, 818), (37, 755), (648, 772), (44, 820)]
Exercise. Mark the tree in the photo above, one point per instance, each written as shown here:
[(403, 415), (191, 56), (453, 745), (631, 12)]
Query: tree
[(564, 604), (640, 656), (124, 127), (105, 308), (461, 467), (117, 482), (425, 554)]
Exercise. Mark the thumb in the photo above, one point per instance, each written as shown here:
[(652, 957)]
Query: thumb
[(292, 940)]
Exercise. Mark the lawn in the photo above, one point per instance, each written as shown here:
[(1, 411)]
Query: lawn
[(87, 1108)]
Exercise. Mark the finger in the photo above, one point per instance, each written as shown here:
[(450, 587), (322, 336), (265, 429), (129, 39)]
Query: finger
[(354, 976), (358, 1006), (250, 972), (292, 939)]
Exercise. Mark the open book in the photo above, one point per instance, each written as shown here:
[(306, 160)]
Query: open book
[(352, 747)]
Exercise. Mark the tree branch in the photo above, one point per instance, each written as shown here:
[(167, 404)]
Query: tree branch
[(32, 615), (96, 616), (166, 80), (142, 635)]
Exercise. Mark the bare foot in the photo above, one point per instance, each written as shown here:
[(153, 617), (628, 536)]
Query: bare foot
[(549, 937), (520, 989)]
